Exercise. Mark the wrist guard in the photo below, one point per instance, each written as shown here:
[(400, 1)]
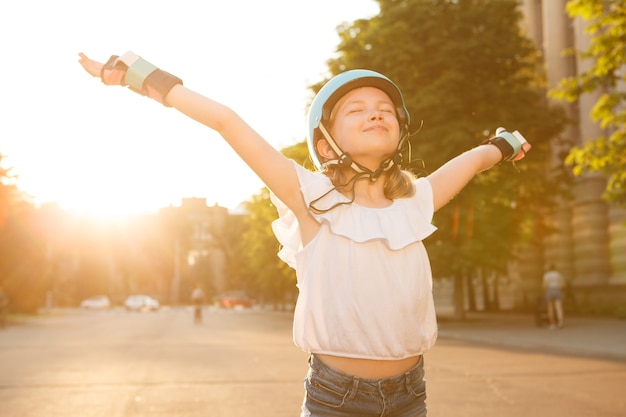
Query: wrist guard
[(509, 144), (141, 76)]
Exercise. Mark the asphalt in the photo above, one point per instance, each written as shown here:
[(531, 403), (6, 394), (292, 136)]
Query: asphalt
[(592, 336)]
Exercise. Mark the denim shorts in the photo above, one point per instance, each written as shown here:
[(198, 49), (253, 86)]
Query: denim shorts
[(554, 294), (332, 393)]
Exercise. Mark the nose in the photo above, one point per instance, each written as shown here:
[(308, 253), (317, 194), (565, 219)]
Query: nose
[(376, 114)]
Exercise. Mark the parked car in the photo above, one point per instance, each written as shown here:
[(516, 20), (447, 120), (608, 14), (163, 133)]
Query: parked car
[(97, 302), (141, 302), (235, 299)]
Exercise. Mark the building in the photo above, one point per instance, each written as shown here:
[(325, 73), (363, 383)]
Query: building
[(590, 244), (199, 233)]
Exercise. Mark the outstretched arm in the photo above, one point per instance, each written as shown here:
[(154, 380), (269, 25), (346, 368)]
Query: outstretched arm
[(454, 175), (276, 171)]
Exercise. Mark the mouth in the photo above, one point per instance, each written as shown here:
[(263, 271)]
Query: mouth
[(376, 128)]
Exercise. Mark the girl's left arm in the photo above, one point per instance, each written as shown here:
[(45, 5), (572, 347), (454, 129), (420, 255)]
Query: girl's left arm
[(450, 178)]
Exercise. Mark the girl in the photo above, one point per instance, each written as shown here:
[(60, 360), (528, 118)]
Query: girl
[(353, 231)]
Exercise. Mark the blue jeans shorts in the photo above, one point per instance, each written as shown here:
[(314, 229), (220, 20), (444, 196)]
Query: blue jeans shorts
[(554, 294), (332, 393)]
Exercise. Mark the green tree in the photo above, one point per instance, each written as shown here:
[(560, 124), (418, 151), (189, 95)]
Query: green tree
[(605, 154), (9, 193), (465, 68), (22, 260), (271, 278)]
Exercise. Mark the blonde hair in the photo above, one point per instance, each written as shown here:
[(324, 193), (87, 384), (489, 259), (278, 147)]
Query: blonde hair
[(398, 183)]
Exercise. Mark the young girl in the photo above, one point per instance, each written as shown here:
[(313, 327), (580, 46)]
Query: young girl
[(353, 231)]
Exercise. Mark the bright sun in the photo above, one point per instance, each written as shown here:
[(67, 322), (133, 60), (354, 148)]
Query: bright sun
[(107, 152), (93, 189)]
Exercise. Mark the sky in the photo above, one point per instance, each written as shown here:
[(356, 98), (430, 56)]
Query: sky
[(107, 151)]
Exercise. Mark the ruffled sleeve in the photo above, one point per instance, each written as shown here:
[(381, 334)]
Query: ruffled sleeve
[(405, 221)]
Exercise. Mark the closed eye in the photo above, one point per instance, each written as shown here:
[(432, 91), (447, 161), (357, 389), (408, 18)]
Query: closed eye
[(355, 109)]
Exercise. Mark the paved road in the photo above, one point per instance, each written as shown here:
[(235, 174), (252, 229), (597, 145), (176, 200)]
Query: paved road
[(117, 363), (242, 363)]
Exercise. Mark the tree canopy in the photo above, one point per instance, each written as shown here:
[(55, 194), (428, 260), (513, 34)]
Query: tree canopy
[(20, 249), (606, 154)]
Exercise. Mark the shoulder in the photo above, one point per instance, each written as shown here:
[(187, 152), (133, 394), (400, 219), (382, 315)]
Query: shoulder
[(422, 199), (423, 186)]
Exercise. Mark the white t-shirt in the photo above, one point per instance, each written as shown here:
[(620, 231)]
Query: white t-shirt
[(365, 283), (197, 294), (553, 279)]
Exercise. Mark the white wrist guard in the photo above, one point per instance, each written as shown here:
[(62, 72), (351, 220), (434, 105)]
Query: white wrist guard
[(509, 144), (143, 77)]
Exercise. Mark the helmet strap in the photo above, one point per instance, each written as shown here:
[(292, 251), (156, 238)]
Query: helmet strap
[(343, 159)]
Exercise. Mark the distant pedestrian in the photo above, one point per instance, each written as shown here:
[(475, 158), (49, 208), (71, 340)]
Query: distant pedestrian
[(553, 284), (197, 297)]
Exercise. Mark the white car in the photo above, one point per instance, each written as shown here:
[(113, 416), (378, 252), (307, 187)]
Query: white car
[(141, 302), (97, 302)]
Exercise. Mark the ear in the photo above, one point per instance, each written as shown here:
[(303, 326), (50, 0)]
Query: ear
[(324, 150)]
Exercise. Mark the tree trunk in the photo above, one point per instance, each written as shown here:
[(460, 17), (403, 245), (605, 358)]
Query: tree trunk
[(471, 293), (459, 296)]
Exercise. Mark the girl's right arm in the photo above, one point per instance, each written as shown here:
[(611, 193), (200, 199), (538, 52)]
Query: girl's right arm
[(273, 168)]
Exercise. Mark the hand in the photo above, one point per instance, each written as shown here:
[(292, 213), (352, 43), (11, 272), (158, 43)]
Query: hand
[(109, 75), (522, 153), (525, 146), (91, 66)]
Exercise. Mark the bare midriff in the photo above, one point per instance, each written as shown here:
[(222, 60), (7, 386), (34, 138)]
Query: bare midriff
[(369, 368)]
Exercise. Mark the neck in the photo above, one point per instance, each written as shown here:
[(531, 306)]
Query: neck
[(368, 193)]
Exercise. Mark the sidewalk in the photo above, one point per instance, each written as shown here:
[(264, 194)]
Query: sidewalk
[(601, 337)]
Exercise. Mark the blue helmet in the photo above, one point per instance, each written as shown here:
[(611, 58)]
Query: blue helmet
[(337, 87)]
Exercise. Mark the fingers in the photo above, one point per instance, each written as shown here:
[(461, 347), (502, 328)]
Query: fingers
[(83, 59), (525, 148), (91, 66)]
